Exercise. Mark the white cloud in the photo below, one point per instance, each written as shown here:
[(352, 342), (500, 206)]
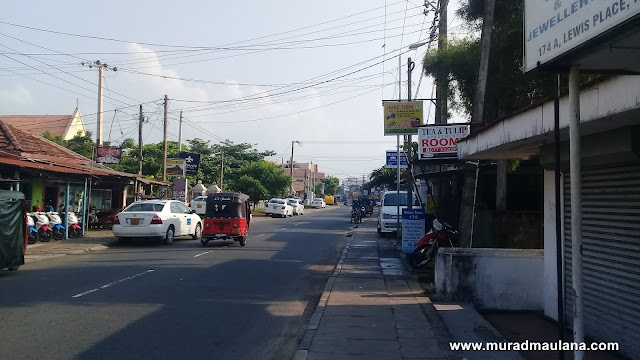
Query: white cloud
[(16, 96)]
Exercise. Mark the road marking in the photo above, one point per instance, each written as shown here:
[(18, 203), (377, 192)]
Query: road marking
[(112, 283), (257, 236), (206, 252)]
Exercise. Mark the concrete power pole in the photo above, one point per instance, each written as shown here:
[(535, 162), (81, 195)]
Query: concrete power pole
[(101, 69), (291, 167), (180, 133), (467, 211), (221, 168), (410, 66), (99, 125), (140, 121), (442, 82), (166, 123)]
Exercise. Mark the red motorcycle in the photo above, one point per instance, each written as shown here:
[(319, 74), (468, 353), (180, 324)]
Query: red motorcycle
[(441, 235)]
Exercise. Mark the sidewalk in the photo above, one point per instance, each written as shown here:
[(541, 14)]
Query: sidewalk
[(373, 309), (92, 241)]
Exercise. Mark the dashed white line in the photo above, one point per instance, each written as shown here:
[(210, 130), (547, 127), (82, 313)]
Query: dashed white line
[(206, 252), (257, 236), (112, 283)]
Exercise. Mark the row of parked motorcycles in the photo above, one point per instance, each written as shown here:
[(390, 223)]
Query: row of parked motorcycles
[(44, 226)]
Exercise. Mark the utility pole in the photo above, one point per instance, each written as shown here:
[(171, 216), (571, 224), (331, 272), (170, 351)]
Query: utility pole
[(101, 68), (470, 175), (291, 165), (221, 168), (180, 133), (410, 66), (140, 121), (442, 82), (166, 124)]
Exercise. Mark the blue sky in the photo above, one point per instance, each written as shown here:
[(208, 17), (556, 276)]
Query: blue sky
[(322, 84)]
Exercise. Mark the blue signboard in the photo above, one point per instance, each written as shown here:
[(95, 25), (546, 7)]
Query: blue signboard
[(412, 228), (392, 159)]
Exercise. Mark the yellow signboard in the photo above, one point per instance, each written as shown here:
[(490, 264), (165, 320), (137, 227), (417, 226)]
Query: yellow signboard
[(402, 118), (176, 167)]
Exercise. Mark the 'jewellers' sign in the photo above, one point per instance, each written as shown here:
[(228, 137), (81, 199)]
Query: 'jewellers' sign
[(553, 27)]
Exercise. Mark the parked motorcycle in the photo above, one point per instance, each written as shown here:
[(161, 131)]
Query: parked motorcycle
[(45, 233), (441, 235), (32, 236), (74, 229), (56, 225)]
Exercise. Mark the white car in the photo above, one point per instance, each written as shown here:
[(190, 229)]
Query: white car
[(279, 207), (199, 204), (388, 214), (298, 208), (164, 219), (318, 202)]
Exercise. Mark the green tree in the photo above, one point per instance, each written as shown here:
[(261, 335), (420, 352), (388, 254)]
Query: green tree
[(331, 185), (270, 176), (80, 144), (252, 187)]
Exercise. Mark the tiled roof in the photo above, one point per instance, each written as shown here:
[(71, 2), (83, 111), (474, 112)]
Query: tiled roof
[(24, 149), (56, 125)]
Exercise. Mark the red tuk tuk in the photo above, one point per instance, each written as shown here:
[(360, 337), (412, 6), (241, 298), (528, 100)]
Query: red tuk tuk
[(227, 216)]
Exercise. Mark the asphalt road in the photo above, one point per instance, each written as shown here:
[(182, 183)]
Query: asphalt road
[(147, 301)]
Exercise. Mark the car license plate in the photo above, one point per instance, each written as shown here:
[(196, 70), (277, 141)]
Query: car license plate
[(199, 206), (275, 207), (134, 221)]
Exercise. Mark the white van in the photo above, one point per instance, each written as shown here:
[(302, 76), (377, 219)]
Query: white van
[(388, 214)]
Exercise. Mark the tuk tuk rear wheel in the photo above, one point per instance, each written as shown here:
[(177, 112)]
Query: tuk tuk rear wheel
[(14, 268), (204, 242), (242, 240)]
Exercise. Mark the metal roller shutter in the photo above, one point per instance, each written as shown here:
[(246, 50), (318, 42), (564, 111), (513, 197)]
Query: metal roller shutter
[(611, 254)]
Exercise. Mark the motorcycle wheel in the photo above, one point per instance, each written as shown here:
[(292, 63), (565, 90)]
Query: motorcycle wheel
[(58, 234), (421, 256), (74, 233), (45, 236), (33, 237)]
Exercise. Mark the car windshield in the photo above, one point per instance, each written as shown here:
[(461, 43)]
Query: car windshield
[(145, 207), (317, 200), (391, 199), (200, 198), (276, 201), (293, 201)]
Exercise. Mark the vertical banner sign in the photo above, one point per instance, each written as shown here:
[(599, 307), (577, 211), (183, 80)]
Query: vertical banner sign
[(440, 141), (176, 167), (392, 159), (412, 228), (192, 161), (109, 155), (180, 188), (402, 118)]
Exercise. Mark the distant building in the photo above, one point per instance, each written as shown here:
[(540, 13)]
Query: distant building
[(65, 126), (305, 176)]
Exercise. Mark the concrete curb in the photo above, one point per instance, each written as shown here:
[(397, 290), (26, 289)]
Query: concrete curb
[(31, 258), (305, 343)]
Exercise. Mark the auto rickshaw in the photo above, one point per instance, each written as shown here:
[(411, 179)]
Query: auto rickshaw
[(227, 216)]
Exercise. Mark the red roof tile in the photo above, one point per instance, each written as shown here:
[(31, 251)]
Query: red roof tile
[(56, 125)]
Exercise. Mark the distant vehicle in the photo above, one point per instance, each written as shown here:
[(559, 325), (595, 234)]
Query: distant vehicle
[(199, 204), (387, 216), (298, 208), (318, 203), (329, 199), (279, 207), (163, 219)]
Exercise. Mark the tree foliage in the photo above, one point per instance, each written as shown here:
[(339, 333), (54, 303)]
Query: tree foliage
[(268, 175), (80, 144), (252, 187)]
